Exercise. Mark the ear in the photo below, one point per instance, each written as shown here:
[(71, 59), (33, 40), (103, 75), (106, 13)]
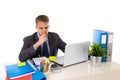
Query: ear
[(36, 26)]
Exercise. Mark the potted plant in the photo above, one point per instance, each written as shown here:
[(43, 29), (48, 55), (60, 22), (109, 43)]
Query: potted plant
[(96, 53)]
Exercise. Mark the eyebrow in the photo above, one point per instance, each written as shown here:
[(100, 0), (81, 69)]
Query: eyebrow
[(44, 27)]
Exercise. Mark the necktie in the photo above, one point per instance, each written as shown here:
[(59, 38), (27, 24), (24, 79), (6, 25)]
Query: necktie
[(45, 50)]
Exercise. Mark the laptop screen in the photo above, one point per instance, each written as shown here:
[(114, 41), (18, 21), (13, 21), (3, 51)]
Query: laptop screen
[(75, 53)]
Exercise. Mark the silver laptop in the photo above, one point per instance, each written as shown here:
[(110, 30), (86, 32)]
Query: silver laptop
[(74, 53)]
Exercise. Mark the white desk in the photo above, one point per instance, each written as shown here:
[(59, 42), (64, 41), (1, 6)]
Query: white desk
[(84, 71)]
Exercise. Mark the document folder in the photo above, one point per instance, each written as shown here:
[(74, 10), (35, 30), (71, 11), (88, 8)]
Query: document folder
[(38, 75), (101, 37), (28, 72), (109, 46), (27, 77), (13, 71)]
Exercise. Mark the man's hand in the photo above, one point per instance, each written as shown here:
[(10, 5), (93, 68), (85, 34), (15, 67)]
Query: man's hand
[(40, 41)]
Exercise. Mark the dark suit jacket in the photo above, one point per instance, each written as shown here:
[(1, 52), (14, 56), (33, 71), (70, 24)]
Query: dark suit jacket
[(28, 52)]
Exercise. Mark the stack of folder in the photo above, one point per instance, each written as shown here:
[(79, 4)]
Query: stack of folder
[(26, 72), (106, 39)]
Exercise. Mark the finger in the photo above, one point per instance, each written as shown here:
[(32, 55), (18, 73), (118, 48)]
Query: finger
[(44, 35)]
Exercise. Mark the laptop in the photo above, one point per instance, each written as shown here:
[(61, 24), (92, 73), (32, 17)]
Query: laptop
[(74, 53)]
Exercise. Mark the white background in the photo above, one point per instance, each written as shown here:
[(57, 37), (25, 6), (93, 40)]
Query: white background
[(73, 20)]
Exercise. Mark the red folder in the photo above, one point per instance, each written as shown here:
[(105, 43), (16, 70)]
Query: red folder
[(26, 77)]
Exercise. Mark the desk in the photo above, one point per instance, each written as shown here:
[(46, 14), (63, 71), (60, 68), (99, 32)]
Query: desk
[(84, 71)]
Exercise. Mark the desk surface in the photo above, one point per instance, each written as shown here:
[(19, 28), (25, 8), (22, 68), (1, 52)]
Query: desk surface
[(84, 71)]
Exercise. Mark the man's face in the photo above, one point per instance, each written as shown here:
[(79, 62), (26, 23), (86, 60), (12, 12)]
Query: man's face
[(42, 27)]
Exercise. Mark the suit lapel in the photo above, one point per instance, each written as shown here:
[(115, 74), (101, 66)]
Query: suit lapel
[(50, 44), (36, 38)]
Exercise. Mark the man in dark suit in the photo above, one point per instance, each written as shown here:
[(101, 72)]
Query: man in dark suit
[(41, 43)]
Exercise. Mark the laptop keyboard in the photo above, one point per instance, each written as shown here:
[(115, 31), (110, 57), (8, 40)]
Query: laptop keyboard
[(60, 60)]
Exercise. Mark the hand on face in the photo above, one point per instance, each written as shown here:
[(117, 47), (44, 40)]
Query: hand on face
[(41, 40), (42, 29)]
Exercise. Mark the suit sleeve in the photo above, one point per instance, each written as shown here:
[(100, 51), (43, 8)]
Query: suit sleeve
[(61, 44), (27, 51)]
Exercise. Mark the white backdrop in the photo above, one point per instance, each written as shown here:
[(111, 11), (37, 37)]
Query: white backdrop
[(73, 20)]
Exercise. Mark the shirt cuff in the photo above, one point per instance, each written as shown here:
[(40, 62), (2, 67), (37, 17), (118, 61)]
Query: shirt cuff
[(34, 47)]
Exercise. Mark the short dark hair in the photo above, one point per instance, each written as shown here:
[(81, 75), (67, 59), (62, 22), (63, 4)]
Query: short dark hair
[(43, 18)]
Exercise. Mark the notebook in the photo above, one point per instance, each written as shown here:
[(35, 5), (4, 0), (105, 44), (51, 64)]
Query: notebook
[(74, 53)]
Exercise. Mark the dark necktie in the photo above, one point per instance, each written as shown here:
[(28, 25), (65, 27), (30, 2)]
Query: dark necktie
[(45, 50)]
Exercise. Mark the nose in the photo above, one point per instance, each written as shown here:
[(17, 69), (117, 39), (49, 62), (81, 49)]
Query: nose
[(44, 31)]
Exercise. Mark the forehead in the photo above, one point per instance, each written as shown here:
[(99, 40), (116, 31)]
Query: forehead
[(42, 24)]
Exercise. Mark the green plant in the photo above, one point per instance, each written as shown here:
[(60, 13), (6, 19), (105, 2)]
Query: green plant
[(96, 50)]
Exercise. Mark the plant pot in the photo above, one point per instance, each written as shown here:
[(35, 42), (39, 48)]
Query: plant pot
[(95, 61)]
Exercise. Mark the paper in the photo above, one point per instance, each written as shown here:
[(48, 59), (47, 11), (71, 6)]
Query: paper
[(103, 39)]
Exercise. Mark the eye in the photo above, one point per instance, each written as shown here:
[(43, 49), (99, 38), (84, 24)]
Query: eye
[(46, 27), (41, 28)]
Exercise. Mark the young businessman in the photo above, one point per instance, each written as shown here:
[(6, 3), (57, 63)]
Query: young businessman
[(42, 42)]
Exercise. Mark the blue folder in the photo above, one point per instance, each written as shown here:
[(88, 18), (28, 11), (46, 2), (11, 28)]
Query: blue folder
[(38, 75), (14, 71), (101, 37)]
